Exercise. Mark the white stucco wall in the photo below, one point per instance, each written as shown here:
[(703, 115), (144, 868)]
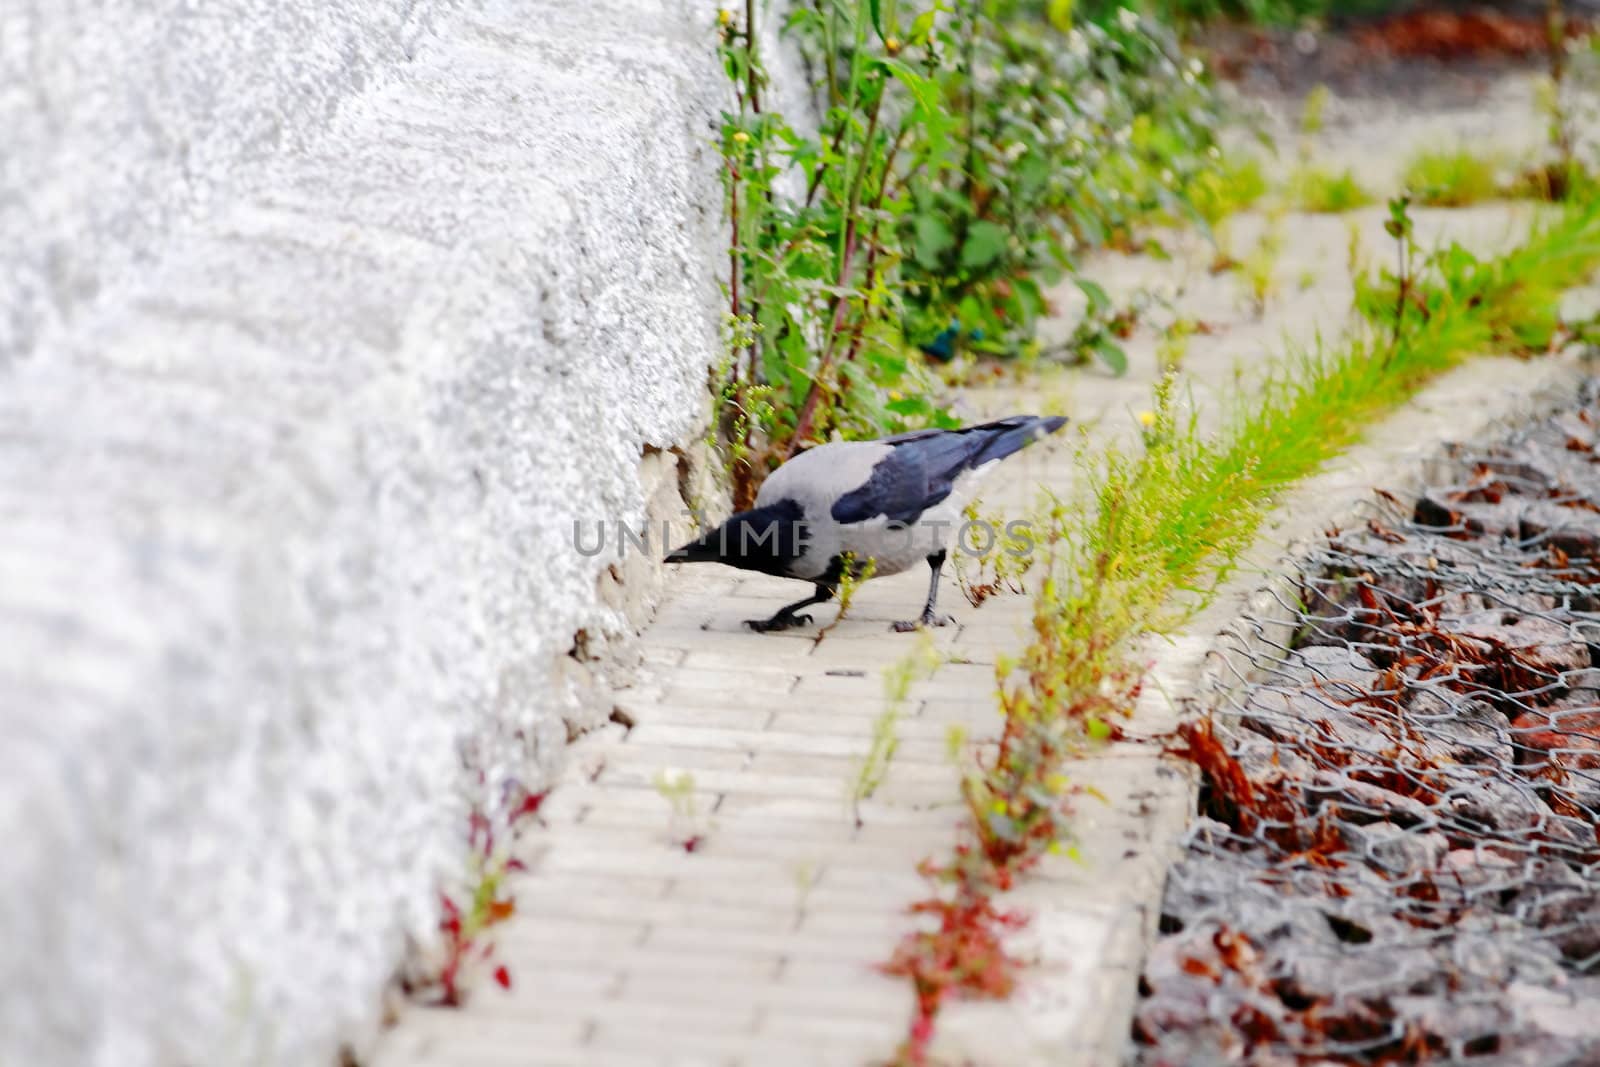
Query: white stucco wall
[(319, 323)]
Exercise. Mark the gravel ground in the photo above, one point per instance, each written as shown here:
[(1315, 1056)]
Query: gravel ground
[(1397, 859)]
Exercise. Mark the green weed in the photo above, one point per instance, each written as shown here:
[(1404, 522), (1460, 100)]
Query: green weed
[(873, 767), (1237, 184), (1452, 177), (851, 578), (1318, 190), (1314, 110), (1259, 269), (1173, 347), (1001, 568), (677, 788)]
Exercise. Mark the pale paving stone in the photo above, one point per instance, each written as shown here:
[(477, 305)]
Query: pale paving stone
[(850, 993), (820, 1048), (438, 1038), (726, 781), (783, 808), (840, 769), (841, 724), (663, 656), (791, 883), (758, 706), (770, 587), (607, 907), (750, 681), (649, 757), (788, 943), (694, 714), (873, 648), (851, 744), (904, 885), (552, 939), (586, 796), (776, 655), (634, 887), (833, 1027), (782, 647), (719, 1021), (931, 795), (941, 710), (665, 987), (548, 994), (712, 1045), (928, 835), (657, 856), (800, 706), (749, 831), (713, 962)]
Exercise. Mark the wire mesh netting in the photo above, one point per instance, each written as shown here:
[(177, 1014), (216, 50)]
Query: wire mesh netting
[(1396, 858)]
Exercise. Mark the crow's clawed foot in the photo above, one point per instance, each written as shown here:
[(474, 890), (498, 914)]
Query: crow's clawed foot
[(777, 623), (905, 626)]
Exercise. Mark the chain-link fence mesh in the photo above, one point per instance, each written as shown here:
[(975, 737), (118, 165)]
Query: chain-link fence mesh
[(1397, 857)]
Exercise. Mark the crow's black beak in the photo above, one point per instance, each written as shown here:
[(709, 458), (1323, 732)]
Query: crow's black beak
[(701, 550)]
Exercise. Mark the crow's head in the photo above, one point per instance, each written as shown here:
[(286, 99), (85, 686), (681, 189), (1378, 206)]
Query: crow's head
[(767, 539)]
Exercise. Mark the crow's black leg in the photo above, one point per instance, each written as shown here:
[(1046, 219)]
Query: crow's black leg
[(929, 616), (786, 616)]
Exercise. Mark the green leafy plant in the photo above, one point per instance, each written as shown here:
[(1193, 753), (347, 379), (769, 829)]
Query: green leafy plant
[(1401, 229), (1065, 139), (815, 294), (964, 155)]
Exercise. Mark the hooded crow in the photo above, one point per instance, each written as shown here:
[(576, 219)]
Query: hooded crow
[(892, 501)]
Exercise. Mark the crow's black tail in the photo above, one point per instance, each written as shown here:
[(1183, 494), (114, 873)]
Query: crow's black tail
[(1004, 437)]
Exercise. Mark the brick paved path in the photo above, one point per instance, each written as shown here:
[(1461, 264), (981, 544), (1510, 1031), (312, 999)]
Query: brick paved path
[(758, 947)]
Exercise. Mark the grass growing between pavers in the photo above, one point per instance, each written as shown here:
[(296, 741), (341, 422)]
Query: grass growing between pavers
[(1161, 530)]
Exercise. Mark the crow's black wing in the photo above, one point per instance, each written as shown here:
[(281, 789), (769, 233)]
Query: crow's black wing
[(922, 468), (897, 487)]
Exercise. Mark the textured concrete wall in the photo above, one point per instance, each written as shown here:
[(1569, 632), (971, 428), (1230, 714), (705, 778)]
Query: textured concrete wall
[(319, 324)]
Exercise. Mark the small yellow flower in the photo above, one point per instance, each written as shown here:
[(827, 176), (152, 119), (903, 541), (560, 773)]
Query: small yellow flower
[(724, 17), (998, 807), (894, 394), (892, 45), (1146, 419), (741, 137)]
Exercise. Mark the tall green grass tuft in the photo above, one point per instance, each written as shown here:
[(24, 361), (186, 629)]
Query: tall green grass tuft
[(1325, 192), (1452, 178), (1174, 518)]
